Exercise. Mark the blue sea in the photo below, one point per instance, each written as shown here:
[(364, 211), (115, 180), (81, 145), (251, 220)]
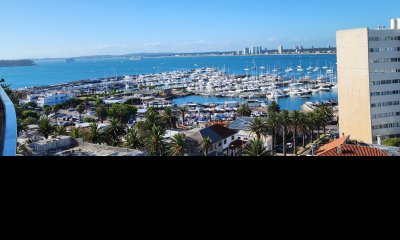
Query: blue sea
[(48, 72)]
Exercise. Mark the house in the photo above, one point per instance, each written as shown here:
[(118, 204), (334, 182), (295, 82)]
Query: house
[(342, 148), (242, 126), (49, 99), (221, 137)]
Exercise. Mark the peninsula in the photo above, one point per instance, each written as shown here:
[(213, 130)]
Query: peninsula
[(16, 63)]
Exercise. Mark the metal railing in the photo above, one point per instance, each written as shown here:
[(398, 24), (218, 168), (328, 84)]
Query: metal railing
[(8, 126)]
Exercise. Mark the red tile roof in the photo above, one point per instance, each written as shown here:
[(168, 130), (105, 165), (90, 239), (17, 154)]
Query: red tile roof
[(354, 151), (332, 145)]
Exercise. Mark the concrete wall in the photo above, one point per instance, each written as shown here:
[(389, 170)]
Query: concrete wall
[(354, 84)]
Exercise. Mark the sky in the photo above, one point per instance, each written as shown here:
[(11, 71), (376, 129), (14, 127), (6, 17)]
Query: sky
[(70, 28)]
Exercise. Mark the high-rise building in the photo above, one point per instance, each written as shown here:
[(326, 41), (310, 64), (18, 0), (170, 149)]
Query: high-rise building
[(246, 51), (280, 49), (369, 82)]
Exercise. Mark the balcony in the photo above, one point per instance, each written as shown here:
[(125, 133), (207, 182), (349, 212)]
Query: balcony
[(8, 126)]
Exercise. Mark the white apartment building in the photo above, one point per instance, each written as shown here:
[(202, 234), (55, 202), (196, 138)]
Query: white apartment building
[(50, 99), (369, 82)]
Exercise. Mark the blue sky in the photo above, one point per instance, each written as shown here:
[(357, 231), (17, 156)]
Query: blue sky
[(62, 28)]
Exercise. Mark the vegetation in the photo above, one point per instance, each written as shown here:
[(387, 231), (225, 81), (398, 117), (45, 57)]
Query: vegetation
[(80, 109), (60, 131), (392, 142), (183, 110), (76, 133), (133, 140), (179, 145), (45, 127), (244, 111), (101, 112), (122, 112), (259, 127), (89, 120), (205, 145), (256, 148), (94, 134)]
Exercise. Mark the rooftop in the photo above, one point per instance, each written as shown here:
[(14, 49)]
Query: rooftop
[(340, 148), (217, 133)]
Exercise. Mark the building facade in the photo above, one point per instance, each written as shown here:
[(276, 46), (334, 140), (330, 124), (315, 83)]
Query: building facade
[(369, 82), (54, 99)]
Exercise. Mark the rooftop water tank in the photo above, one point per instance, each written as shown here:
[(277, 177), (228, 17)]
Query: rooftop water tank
[(395, 23)]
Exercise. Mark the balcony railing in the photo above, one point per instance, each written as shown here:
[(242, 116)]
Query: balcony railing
[(8, 126)]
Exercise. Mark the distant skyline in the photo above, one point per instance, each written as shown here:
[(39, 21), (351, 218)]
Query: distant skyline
[(67, 28)]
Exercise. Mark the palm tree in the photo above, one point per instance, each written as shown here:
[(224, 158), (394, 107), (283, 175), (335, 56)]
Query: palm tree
[(76, 133), (60, 131), (80, 109), (45, 127), (296, 118), (56, 108), (286, 123), (101, 112), (183, 110), (205, 145), (155, 140), (114, 131), (325, 114), (244, 110), (47, 111), (312, 121), (273, 123), (169, 117), (133, 140), (179, 145), (256, 149), (94, 134), (21, 126), (303, 127), (274, 107), (259, 127)]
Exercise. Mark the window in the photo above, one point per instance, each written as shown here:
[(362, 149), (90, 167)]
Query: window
[(233, 138), (225, 141)]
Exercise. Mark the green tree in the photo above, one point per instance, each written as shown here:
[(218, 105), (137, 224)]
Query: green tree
[(392, 142), (286, 122), (122, 112), (47, 111), (155, 140), (76, 133), (114, 131), (274, 107), (101, 112), (169, 116), (303, 127), (205, 146), (88, 120), (179, 145), (325, 115), (45, 127), (61, 131), (296, 119), (21, 126), (183, 110), (30, 113), (31, 104), (244, 110), (94, 134), (133, 140), (56, 108), (80, 109), (259, 127), (30, 121), (256, 148), (274, 123), (312, 123)]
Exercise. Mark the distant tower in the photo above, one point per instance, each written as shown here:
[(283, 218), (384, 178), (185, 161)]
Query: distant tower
[(280, 49)]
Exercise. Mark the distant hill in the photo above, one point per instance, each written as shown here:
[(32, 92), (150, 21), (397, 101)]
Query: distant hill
[(16, 63)]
